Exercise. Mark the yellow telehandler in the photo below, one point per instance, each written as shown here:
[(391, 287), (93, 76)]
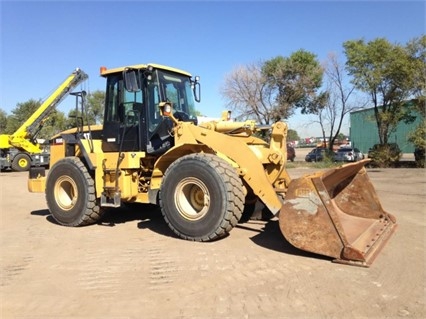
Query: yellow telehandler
[(20, 150), (150, 149)]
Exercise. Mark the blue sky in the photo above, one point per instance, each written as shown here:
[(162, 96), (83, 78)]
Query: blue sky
[(42, 42)]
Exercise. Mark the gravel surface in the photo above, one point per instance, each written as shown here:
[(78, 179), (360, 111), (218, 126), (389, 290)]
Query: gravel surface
[(132, 266)]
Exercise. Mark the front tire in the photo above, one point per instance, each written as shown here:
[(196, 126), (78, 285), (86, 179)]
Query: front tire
[(21, 163), (70, 193), (201, 197)]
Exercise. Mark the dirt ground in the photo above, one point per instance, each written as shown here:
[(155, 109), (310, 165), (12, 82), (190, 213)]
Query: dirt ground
[(132, 266)]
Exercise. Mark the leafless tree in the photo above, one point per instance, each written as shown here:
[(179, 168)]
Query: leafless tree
[(338, 104), (248, 94), (271, 90)]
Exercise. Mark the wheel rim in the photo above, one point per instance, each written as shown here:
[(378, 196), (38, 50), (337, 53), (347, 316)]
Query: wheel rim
[(192, 198), (66, 194), (22, 162)]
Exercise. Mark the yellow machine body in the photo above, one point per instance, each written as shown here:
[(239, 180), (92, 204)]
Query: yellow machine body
[(335, 213)]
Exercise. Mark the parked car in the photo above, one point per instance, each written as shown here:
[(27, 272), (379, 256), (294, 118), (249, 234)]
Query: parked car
[(348, 154), (393, 151), (291, 153), (318, 154)]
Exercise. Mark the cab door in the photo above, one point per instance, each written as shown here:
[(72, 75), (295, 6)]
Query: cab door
[(123, 123)]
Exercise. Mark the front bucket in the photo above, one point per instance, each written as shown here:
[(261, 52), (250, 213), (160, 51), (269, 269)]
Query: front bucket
[(336, 213)]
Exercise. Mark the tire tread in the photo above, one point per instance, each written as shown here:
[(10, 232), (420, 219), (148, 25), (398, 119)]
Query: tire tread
[(92, 212), (235, 195)]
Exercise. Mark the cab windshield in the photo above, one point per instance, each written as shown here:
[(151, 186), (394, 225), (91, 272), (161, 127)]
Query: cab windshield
[(175, 88)]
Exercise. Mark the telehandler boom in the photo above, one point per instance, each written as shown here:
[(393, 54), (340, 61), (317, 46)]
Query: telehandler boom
[(151, 150)]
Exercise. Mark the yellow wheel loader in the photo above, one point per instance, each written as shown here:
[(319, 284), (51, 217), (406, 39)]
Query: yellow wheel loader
[(151, 149)]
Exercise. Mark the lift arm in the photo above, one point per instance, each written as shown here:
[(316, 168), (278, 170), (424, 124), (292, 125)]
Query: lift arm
[(23, 137)]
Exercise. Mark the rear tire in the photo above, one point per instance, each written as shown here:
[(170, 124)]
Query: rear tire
[(201, 197), (21, 163), (70, 193)]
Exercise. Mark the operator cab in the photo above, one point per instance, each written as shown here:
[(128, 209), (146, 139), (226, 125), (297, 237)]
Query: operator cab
[(133, 120)]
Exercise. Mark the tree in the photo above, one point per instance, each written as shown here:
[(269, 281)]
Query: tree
[(341, 136), (96, 105), (248, 95), (417, 52), (52, 125), (20, 114), (384, 71), (292, 135), (56, 121), (416, 49), (270, 91), (93, 111), (337, 105), (295, 81), (3, 121)]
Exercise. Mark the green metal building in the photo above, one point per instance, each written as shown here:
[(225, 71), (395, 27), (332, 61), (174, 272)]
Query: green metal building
[(363, 131)]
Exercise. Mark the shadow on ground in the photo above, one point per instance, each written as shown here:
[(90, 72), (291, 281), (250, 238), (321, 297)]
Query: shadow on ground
[(270, 237), (147, 216)]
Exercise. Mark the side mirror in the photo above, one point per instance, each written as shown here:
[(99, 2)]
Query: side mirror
[(196, 89), (131, 80)]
